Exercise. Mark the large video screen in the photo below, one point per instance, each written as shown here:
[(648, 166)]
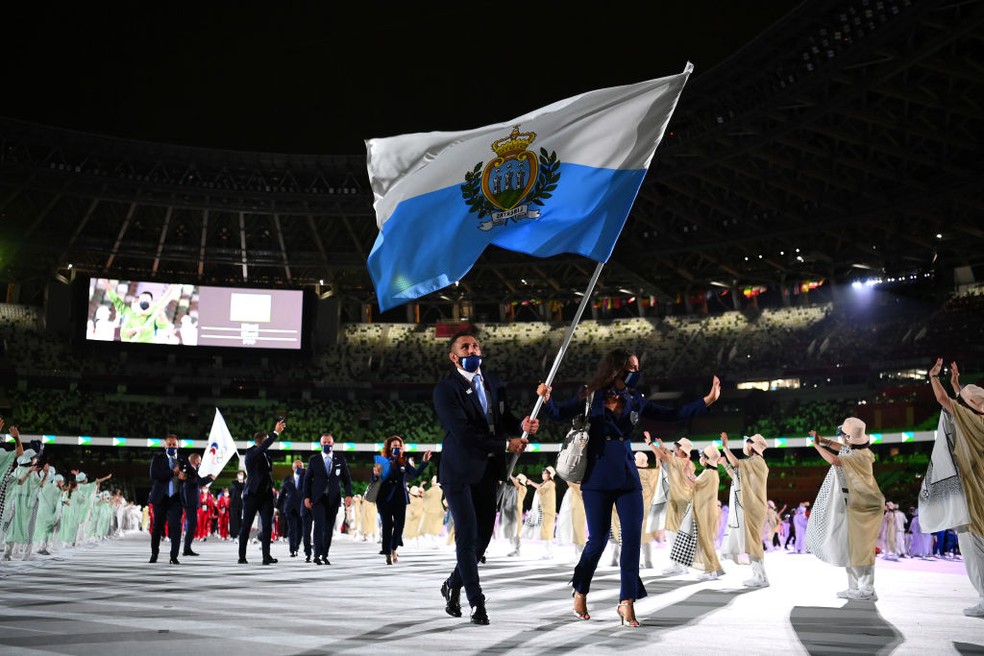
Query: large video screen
[(140, 312)]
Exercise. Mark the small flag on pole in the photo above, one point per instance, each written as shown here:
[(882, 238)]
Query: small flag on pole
[(220, 447)]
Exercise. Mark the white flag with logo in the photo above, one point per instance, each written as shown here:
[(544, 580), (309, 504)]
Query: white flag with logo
[(220, 447)]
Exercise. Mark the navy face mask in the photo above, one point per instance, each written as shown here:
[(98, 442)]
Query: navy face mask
[(396, 451), (172, 451), (326, 448), (631, 378), (144, 305), (470, 363)]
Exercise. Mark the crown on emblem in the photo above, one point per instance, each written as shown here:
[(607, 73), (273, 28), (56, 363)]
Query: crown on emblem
[(514, 144)]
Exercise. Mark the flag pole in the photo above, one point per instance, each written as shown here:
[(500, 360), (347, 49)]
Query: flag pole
[(585, 300)]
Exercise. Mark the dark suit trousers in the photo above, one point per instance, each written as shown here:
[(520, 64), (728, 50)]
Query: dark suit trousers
[(293, 530), (191, 526), (598, 511), (473, 511), (307, 523), (253, 505), (393, 516), (167, 513), (323, 512), (235, 517)]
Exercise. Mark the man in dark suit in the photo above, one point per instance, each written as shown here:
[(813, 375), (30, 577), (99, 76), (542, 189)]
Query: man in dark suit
[(472, 407), (307, 520), (191, 488), (326, 473), (289, 504), (258, 494), (236, 503), (167, 473)]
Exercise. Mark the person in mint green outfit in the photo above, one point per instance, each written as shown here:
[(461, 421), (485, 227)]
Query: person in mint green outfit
[(141, 320), (23, 485)]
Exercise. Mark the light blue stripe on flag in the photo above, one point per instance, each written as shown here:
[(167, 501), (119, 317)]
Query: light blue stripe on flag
[(412, 258)]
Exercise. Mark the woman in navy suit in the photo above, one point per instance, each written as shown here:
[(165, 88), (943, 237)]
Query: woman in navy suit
[(611, 477), (395, 470)]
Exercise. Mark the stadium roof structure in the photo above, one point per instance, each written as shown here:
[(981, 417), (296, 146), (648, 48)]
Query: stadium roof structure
[(842, 143)]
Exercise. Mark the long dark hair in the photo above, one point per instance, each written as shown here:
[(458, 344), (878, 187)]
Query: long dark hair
[(388, 452), (610, 366)]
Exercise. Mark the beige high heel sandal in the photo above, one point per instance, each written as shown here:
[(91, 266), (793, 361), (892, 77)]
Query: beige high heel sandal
[(629, 618), (581, 605)]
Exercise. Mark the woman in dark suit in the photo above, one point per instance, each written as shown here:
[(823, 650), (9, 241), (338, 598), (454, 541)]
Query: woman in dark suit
[(611, 477), (395, 469)]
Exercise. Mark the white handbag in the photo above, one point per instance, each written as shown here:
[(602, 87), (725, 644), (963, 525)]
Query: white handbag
[(573, 457)]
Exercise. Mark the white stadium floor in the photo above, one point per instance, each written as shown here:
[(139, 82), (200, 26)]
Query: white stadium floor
[(106, 599)]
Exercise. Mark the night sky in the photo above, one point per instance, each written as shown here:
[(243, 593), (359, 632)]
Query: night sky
[(316, 79)]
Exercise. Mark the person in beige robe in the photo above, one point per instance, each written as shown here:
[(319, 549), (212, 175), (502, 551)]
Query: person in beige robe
[(579, 521), (368, 521), (649, 479), (433, 522), (415, 513), (754, 500), (681, 475), (864, 508), (547, 491), (511, 517), (967, 411), (706, 513), (888, 540)]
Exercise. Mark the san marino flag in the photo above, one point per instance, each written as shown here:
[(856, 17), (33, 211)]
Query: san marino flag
[(560, 179), (220, 447)]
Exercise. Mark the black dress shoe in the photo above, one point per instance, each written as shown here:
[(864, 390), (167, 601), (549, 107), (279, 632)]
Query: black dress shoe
[(317, 560), (243, 561), (153, 558), (269, 561), (478, 614), (190, 553), (293, 554), (325, 561), (174, 561), (307, 558), (452, 597)]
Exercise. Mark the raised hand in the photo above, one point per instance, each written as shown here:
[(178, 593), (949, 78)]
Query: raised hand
[(715, 392)]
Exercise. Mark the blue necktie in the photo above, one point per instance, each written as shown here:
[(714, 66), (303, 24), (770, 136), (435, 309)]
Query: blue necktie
[(170, 484), (480, 389)]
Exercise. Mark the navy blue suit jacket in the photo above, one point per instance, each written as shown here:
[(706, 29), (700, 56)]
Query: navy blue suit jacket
[(611, 462), (161, 475), (191, 487), (291, 495), (471, 442), (394, 487), (259, 469), (318, 481)]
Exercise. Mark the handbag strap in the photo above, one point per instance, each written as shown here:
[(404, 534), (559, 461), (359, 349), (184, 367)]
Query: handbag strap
[(581, 421)]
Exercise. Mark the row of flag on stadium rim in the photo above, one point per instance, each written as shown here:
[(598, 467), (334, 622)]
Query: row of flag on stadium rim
[(558, 180)]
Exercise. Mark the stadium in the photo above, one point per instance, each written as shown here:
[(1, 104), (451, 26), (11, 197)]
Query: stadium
[(808, 232)]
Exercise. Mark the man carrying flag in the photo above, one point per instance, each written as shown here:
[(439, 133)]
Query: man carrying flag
[(560, 179)]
